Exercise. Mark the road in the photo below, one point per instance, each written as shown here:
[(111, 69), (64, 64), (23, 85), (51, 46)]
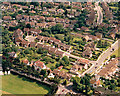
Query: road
[(103, 57), (99, 12)]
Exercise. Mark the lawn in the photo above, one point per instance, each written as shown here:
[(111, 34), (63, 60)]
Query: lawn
[(117, 53), (15, 84)]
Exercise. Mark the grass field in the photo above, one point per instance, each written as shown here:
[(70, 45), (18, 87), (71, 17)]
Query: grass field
[(15, 84), (117, 53)]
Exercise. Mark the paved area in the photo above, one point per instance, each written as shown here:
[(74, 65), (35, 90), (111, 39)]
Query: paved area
[(30, 38)]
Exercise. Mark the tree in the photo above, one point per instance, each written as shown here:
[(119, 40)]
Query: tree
[(66, 60), (57, 29), (65, 82), (43, 72), (28, 26)]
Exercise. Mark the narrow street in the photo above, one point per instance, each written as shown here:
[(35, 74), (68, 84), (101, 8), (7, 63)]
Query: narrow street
[(103, 57), (99, 12)]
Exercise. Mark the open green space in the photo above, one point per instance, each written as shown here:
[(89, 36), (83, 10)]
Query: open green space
[(117, 52), (15, 84)]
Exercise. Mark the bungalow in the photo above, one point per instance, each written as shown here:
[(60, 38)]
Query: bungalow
[(12, 54), (26, 62), (83, 62), (39, 65), (53, 11), (42, 18)]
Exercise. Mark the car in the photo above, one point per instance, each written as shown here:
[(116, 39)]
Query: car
[(95, 67), (63, 90)]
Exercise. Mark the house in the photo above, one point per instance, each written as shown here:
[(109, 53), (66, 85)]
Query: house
[(18, 35), (19, 17), (50, 24), (109, 69), (60, 11), (39, 65), (41, 25), (46, 47), (40, 38), (62, 74), (60, 53), (34, 32), (26, 30), (32, 12), (40, 45), (87, 53), (24, 43), (59, 20), (91, 45), (7, 18), (95, 81), (45, 13), (98, 35), (12, 54), (83, 62), (64, 46), (60, 67), (32, 44), (25, 61), (52, 50), (76, 67), (84, 28), (50, 19)]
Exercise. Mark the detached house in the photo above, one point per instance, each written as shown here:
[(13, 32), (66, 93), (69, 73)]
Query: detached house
[(39, 65), (83, 62)]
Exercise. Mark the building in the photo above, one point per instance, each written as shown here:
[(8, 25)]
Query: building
[(39, 65), (83, 62), (109, 69)]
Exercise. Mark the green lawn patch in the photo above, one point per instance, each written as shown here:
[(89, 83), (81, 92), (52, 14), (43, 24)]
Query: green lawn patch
[(117, 53), (20, 85)]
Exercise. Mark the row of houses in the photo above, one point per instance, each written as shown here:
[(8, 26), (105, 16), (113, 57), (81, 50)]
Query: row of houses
[(109, 69)]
